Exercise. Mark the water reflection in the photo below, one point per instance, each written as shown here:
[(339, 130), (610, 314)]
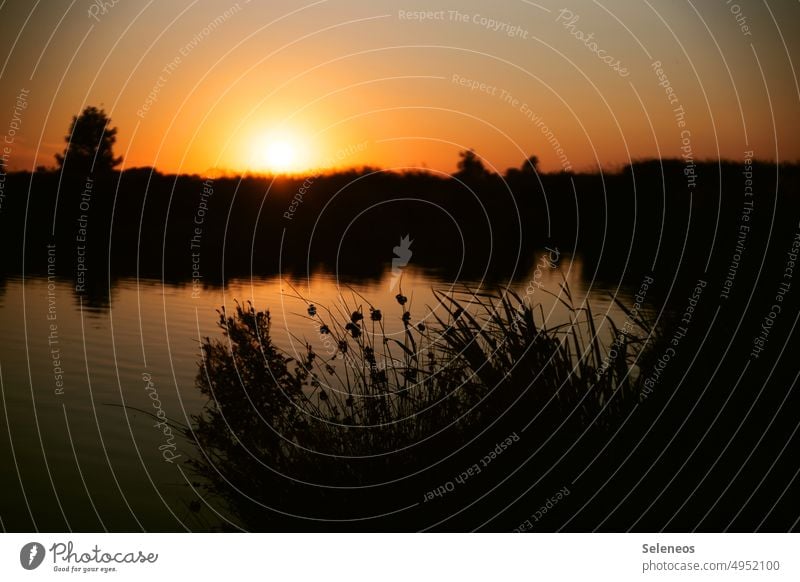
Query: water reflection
[(90, 454)]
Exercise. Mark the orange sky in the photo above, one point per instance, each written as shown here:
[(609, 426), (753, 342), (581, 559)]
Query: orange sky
[(237, 85)]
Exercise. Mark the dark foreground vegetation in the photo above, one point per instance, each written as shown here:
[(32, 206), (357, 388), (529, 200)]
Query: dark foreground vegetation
[(486, 418), (404, 432)]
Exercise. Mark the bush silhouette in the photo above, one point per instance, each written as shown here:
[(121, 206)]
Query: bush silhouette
[(386, 420), (470, 167)]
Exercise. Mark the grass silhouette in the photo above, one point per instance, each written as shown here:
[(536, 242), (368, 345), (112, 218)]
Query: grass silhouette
[(375, 423)]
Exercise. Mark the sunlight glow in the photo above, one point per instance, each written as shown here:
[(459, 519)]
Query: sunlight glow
[(278, 155)]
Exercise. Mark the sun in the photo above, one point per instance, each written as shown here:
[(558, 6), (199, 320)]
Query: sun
[(280, 155), (277, 154)]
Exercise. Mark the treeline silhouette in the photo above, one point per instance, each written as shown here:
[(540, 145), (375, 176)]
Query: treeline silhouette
[(143, 223)]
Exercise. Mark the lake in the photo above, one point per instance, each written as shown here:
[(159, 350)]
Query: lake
[(82, 381)]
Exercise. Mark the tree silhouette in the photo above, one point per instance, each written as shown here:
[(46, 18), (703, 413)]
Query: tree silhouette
[(530, 165), (90, 143), (470, 166)]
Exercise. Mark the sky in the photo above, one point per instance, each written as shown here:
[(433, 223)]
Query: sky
[(198, 86)]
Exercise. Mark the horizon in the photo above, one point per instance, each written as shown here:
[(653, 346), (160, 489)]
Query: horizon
[(223, 173)]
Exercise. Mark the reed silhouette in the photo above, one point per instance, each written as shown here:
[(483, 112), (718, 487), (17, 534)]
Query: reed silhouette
[(365, 439)]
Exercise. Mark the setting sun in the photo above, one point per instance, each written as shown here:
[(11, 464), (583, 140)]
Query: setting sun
[(277, 154), (280, 155)]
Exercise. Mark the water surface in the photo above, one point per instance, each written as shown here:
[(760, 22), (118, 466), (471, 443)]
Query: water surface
[(82, 381)]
